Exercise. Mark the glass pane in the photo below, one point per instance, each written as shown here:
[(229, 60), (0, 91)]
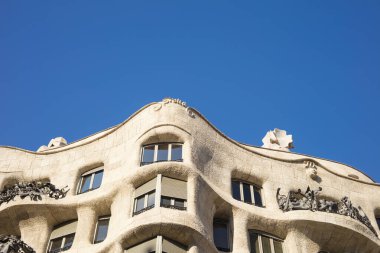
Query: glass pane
[(176, 152), (148, 154), (254, 242), (266, 244), (102, 230), (179, 202), (258, 201), (221, 236), (165, 201), (140, 203), (163, 151), (247, 193), (56, 244), (86, 180), (277, 246), (378, 221), (68, 241), (236, 190), (151, 199), (97, 179)]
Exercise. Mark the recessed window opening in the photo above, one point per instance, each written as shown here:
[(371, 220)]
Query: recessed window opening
[(62, 237), (101, 229), (173, 193), (248, 193), (264, 243), (91, 180), (221, 233), (161, 152)]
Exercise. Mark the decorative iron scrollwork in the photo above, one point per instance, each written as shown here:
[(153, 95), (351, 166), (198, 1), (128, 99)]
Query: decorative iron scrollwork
[(33, 190), (11, 243), (296, 200)]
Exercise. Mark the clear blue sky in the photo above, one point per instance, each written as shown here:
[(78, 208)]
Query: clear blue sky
[(72, 68)]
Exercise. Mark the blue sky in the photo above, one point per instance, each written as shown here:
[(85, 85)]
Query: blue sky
[(72, 68)]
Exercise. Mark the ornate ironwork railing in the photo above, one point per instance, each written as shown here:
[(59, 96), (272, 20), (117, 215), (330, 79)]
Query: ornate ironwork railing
[(33, 190), (296, 200)]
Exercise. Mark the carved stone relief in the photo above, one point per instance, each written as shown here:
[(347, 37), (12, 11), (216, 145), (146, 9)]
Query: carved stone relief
[(33, 190), (310, 201), (166, 101), (12, 244)]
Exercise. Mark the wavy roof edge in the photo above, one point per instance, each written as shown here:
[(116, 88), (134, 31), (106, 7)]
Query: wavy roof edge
[(251, 148)]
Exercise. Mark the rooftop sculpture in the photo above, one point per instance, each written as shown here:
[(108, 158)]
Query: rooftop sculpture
[(278, 139), (54, 143)]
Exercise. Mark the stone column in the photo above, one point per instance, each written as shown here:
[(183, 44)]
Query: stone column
[(240, 241), (84, 235), (35, 232)]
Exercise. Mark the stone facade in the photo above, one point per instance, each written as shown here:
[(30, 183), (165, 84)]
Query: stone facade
[(210, 163)]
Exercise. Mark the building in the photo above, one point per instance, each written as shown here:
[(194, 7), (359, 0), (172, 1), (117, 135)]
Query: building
[(166, 180)]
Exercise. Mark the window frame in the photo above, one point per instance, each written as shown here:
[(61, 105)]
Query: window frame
[(63, 238), (106, 217), (92, 173), (229, 235), (172, 203), (252, 188), (271, 240), (155, 153), (146, 207)]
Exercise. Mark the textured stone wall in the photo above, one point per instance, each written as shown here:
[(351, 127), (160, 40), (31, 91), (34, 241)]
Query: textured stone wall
[(210, 161)]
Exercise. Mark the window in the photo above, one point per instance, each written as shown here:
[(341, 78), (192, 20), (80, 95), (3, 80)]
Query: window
[(161, 152), (168, 202), (173, 193), (91, 180), (144, 202), (101, 229), (262, 243), (378, 221), (247, 193), (62, 237), (156, 244), (221, 235)]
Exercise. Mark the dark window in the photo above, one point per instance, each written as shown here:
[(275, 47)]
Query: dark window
[(140, 203), (257, 196), (179, 203), (166, 201), (247, 193), (86, 182), (148, 154), (221, 235), (236, 190), (266, 244), (176, 152), (251, 193), (254, 241), (144, 202), (61, 244), (163, 152), (378, 221), (98, 177), (101, 229), (91, 180), (263, 244)]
